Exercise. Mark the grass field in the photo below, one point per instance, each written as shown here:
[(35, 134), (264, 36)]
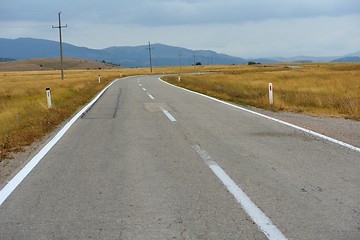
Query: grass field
[(24, 116), (40, 64), (328, 89)]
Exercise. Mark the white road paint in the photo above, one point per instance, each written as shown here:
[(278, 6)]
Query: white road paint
[(273, 119), (259, 217), (150, 96), (144, 89), (10, 187), (168, 115), (140, 85)]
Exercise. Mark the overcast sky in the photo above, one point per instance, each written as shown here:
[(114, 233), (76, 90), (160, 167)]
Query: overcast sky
[(253, 28)]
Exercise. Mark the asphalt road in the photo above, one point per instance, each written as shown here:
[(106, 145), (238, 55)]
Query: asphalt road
[(138, 165)]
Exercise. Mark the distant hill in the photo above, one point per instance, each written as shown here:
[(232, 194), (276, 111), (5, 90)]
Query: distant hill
[(356, 54), (347, 59), (305, 59), (313, 59), (6, 59), (162, 55), (138, 56), (37, 64)]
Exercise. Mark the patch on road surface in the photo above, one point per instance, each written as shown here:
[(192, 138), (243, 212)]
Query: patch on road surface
[(274, 134), (156, 107), (106, 107)]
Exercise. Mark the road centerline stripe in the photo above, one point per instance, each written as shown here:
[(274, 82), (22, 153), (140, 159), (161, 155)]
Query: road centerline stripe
[(150, 96), (168, 115), (261, 220), (144, 89)]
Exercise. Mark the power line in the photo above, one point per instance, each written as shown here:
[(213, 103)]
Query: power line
[(61, 51)]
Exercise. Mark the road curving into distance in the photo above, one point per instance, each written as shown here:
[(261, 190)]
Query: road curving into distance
[(152, 161)]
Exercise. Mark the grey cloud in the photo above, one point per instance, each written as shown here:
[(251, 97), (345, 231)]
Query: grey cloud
[(237, 27), (242, 11), (175, 12)]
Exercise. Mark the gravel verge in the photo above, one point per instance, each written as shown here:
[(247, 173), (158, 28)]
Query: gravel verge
[(341, 129)]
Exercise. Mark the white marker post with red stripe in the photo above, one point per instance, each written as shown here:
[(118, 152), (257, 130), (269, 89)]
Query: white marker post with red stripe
[(48, 97), (271, 100)]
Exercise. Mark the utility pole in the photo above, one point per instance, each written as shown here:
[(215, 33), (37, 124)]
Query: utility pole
[(194, 60), (61, 52), (180, 61), (179, 75), (149, 48)]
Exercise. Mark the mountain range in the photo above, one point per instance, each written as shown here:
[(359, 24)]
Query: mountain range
[(138, 56)]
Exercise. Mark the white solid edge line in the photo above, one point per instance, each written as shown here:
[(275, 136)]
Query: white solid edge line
[(13, 183), (261, 220), (150, 96), (273, 119), (168, 115)]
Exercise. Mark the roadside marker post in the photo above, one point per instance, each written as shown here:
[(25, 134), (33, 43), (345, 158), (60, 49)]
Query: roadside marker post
[(179, 77), (99, 78), (271, 99), (48, 96)]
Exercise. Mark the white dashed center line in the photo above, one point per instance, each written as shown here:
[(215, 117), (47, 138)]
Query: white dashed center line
[(150, 96), (168, 115)]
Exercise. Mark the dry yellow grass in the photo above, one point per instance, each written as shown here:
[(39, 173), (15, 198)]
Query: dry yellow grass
[(329, 89), (24, 116), (40, 64)]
